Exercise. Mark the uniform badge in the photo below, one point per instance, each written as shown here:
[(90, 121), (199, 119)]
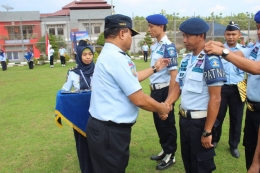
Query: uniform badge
[(132, 67), (214, 63)]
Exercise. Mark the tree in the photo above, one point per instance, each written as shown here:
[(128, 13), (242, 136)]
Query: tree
[(55, 42), (101, 39), (40, 45), (147, 39), (170, 36)]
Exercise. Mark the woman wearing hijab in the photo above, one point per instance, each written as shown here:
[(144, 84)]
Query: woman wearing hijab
[(80, 79)]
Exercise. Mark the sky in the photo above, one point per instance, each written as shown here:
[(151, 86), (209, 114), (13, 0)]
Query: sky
[(147, 7)]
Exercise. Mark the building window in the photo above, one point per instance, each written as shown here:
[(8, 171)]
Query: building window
[(88, 29), (60, 31), (52, 31), (97, 29), (12, 55)]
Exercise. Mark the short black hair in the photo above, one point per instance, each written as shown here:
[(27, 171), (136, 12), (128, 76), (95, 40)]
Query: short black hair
[(164, 27), (113, 32)]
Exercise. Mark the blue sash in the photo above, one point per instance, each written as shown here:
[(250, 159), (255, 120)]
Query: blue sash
[(73, 108)]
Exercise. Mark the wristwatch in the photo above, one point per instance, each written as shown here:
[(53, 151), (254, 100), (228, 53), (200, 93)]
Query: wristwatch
[(154, 69), (206, 134), (225, 52)]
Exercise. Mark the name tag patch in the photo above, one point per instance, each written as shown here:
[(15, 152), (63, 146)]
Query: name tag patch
[(254, 52)]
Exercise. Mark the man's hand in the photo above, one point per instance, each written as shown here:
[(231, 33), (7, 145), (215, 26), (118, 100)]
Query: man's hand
[(212, 47), (161, 63), (206, 141), (164, 116)]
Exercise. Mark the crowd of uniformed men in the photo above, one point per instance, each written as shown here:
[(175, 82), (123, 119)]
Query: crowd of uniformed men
[(207, 82)]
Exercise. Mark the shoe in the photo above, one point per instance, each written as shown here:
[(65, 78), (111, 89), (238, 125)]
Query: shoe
[(215, 144), (160, 156), (234, 152), (167, 161)]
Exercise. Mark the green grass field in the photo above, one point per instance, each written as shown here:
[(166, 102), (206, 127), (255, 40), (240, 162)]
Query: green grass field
[(32, 143)]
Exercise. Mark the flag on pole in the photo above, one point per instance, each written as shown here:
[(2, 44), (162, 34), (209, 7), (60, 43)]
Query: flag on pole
[(47, 45), (75, 44)]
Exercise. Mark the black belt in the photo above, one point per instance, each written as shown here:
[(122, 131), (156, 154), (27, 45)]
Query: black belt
[(111, 123), (230, 84)]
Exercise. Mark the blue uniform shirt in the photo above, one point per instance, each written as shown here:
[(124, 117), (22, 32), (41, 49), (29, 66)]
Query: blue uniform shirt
[(145, 47), (157, 49), (73, 80), (233, 74), (253, 81), (195, 77), (62, 51), (114, 79)]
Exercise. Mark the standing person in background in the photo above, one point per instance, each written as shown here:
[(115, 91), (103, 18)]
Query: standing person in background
[(251, 65), (61, 54), (116, 96), (145, 49), (161, 83), (3, 59), (230, 96), (29, 56), (79, 78), (51, 52)]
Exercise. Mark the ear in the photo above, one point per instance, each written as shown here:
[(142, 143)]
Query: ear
[(121, 34)]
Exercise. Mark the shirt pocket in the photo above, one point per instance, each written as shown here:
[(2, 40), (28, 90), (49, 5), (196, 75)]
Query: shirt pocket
[(195, 83)]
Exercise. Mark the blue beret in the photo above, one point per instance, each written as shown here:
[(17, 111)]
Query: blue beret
[(232, 26), (194, 26), (157, 19), (257, 17)]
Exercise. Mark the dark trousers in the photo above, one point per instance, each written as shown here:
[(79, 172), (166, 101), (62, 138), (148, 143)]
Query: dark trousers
[(252, 122), (108, 146), (195, 157), (30, 64), (51, 60), (83, 152), (145, 56), (62, 59), (4, 66), (230, 98), (166, 129)]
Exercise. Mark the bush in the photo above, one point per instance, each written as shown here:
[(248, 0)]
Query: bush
[(35, 61), (7, 61), (95, 57), (98, 49), (67, 57)]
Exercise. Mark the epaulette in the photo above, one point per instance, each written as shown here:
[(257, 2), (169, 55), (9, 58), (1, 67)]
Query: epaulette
[(72, 68)]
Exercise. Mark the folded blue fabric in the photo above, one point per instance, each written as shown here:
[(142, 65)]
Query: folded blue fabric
[(73, 108)]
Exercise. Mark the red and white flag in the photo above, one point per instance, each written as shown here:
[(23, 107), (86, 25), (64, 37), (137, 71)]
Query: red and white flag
[(47, 45)]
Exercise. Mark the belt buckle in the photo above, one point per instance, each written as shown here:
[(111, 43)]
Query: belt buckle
[(182, 112), (250, 106)]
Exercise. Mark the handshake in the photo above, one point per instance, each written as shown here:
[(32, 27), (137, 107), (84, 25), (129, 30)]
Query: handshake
[(165, 109)]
